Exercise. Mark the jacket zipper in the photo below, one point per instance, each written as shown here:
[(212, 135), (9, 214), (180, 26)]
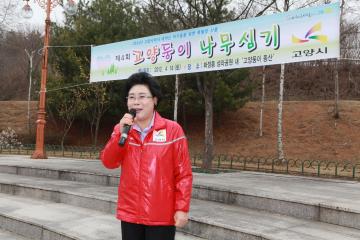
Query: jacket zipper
[(140, 186), (141, 191)]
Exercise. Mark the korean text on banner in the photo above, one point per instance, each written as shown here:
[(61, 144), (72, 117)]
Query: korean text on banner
[(301, 35)]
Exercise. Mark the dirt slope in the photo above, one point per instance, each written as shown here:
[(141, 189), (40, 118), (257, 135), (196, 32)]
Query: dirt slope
[(14, 114), (310, 131)]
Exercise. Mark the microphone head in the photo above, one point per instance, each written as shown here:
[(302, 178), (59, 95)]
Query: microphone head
[(133, 112)]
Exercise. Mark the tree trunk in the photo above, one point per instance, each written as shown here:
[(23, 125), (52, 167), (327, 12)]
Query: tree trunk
[(62, 141), (30, 83), (97, 129), (184, 121), (66, 131), (280, 111), (209, 139), (92, 123), (176, 97), (336, 70), (262, 102), (336, 79)]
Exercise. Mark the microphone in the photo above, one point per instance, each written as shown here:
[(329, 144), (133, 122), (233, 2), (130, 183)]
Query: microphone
[(126, 129)]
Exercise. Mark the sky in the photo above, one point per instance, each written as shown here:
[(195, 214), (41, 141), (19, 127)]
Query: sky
[(57, 14), (38, 19)]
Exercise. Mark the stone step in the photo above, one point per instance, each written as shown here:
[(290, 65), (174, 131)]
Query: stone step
[(6, 235), (210, 220), (325, 200), (81, 194), (42, 220), (220, 221), (90, 171)]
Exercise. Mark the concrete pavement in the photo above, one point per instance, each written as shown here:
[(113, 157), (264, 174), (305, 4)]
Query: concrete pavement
[(237, 205)]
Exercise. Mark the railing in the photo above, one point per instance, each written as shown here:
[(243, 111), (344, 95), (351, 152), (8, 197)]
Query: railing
[(221, 162), (318, 168), (56, 151)]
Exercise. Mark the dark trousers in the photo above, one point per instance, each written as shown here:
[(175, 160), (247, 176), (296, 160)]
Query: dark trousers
[(132, 231)]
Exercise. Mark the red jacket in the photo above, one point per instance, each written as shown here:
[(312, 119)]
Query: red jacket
[(156, 176)]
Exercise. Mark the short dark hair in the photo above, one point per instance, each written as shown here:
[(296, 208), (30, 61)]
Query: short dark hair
[(143, 78)]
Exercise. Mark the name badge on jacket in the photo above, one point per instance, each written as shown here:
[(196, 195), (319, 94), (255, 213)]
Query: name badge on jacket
[(159, 136)]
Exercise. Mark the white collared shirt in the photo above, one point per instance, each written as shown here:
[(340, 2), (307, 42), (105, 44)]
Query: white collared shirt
[(146, 130)]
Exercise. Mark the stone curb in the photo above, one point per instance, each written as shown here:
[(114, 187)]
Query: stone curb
[(31, 230)]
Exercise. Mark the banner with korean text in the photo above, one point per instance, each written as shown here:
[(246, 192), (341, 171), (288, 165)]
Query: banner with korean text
[(301, 35)]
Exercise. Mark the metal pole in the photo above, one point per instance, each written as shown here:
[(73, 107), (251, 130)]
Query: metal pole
[(39, 152)]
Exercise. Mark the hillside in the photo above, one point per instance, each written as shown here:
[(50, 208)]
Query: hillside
[(14, 114), (310, 131)]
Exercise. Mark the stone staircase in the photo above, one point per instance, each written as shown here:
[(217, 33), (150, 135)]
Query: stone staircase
[(6, 235), (63, 199)]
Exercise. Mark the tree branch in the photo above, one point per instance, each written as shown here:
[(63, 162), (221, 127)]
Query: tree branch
[(266, 8), (247, 7)]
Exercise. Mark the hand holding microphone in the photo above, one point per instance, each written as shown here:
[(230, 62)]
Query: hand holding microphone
[(125, 125)]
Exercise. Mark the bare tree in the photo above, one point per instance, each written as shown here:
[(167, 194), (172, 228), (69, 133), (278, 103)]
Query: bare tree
[(176, 101), (206, 88), (280, 145), (286, 5), (336, 69), (96, 103), (15, 79), (7, 12), (69, 107), (262, 101)]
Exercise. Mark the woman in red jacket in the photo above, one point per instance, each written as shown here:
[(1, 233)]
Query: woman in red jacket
[(156, 177)]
